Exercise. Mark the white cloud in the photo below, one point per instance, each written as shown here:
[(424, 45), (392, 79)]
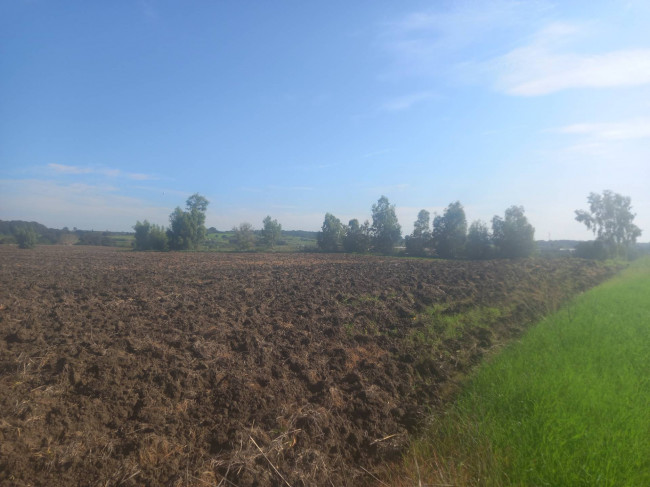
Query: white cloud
[(490, 42), (527, 72), (65, 169), (103, 171), (638, 128), (544, 66), (429, 42), (140, 177)]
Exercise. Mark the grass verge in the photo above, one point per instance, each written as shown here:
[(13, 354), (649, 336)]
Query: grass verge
[(567, 405)]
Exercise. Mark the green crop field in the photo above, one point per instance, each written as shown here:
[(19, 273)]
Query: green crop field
[(569, 404)]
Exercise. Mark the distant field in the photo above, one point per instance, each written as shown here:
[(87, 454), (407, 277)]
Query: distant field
[(289, 242), (568, 405)]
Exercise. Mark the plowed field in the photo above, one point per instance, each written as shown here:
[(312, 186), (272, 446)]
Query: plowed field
[(124, 368)]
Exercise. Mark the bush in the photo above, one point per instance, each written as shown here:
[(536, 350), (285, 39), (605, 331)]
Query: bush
[(26, 238), (596, 250), (150, 237)]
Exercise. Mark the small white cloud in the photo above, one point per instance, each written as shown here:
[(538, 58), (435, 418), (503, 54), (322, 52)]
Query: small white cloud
[(632, 129), (64, 169), (111, 173), (140, 177), (103, 171)]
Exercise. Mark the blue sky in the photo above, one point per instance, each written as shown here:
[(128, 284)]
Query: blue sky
[(112, 112)]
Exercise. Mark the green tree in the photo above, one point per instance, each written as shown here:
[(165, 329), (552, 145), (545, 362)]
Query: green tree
[(158, 238), (450, 232), (187, 228), (331, 235), (357, 237), (386, 231), (244, 237), (142, 235), (26, 238), (420, 239), (513, 236), (271, 232), (611, 219), (150, 237), (479, 242)]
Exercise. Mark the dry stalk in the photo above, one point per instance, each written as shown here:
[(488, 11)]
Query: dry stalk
[(374, 477), (386, 438), (270, 463), (417, 469)]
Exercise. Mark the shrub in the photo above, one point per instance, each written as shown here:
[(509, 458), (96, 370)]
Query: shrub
[(26, 238)]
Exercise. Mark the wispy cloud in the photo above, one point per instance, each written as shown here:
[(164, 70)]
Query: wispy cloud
[(638, 128), (546, 65), (406, 101), (429, 42), (140, 176), (559, 55), (64, 169), (103, 171)]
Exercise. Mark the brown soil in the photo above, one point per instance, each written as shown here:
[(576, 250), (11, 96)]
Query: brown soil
[(124, 368)]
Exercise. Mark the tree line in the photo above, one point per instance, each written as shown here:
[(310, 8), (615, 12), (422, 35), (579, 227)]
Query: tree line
[(610, 217), (187, 230), (448, 236)]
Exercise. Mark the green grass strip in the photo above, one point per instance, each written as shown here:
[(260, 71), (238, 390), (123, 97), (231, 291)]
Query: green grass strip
[(569, 404)]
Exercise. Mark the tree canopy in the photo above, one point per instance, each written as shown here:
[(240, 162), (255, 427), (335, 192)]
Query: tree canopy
[(244, 237), (271, 232), (357, 237), (450, 232), (611, 219), (512, 235), (420, 239), (331, 235), (187, 228), (150, 237), (386, 231), (479, 242)]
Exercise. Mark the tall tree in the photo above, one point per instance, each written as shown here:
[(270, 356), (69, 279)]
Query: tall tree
[(419, 240), (331, 235), (513, 236), (450, 232), (357, 237), (479, 242), (187, 228), (611, 219), (386, 231), (271, 232)]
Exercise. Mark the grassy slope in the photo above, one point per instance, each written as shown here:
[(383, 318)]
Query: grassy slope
[(567, 405)]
